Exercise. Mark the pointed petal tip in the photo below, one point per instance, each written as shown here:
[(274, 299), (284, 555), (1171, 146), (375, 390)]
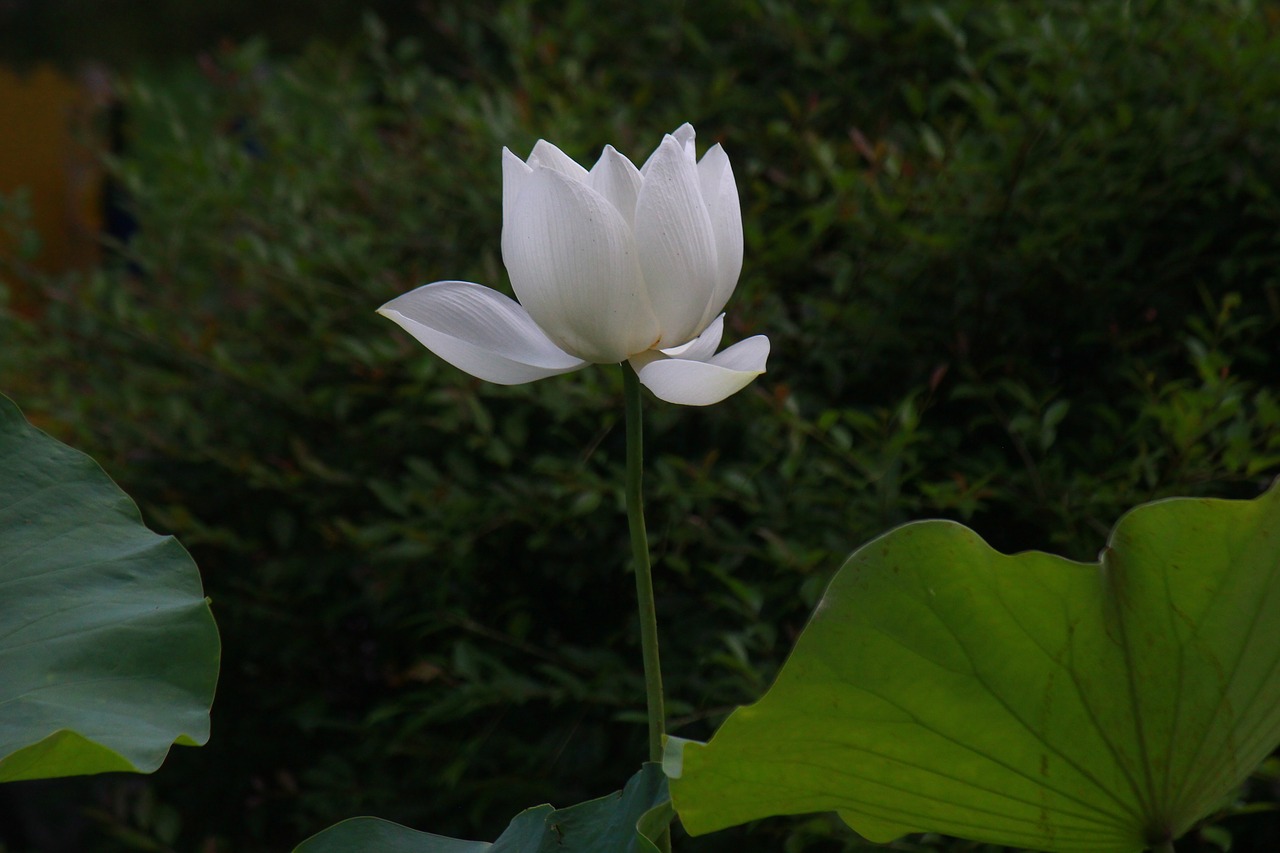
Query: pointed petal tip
[(549, 156), (685, 135), (510, 158)]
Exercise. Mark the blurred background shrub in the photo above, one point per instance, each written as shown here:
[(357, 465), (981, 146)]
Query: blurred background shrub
[(1020, 265)]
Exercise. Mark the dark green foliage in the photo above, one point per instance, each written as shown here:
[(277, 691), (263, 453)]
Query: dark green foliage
[(1020, 266)]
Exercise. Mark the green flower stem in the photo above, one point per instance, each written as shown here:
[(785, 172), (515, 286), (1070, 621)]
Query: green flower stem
[(644, 574), (640, 556)]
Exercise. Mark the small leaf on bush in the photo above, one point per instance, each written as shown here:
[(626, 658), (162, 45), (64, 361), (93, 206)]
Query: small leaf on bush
[(1025, 700)]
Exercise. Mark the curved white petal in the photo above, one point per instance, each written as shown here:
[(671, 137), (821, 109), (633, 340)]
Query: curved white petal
[(720, 192), (675, 242), (701, 383), (546, 154), (618, 180), (703, 347), (572, 262), (514, 175), (480, 331)]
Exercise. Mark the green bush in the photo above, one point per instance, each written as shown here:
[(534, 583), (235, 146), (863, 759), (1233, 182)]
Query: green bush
[(1019, 267)]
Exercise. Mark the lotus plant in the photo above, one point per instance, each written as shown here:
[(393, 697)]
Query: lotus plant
[(610, 265)]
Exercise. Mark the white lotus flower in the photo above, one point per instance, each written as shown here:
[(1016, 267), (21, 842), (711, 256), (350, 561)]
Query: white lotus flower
[(613, 264)]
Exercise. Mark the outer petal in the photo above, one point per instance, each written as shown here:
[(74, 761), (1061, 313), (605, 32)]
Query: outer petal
[(720, 192), (675, 242), (615, 178), (546, 154), (701, 383), (480, 331), (572, 262)]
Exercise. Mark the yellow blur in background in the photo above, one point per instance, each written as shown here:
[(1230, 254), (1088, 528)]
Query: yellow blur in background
[(50, 146)]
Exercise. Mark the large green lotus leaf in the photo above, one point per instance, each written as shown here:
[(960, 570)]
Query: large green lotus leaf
[(628, 821), (108, 651), (1025, 700)]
